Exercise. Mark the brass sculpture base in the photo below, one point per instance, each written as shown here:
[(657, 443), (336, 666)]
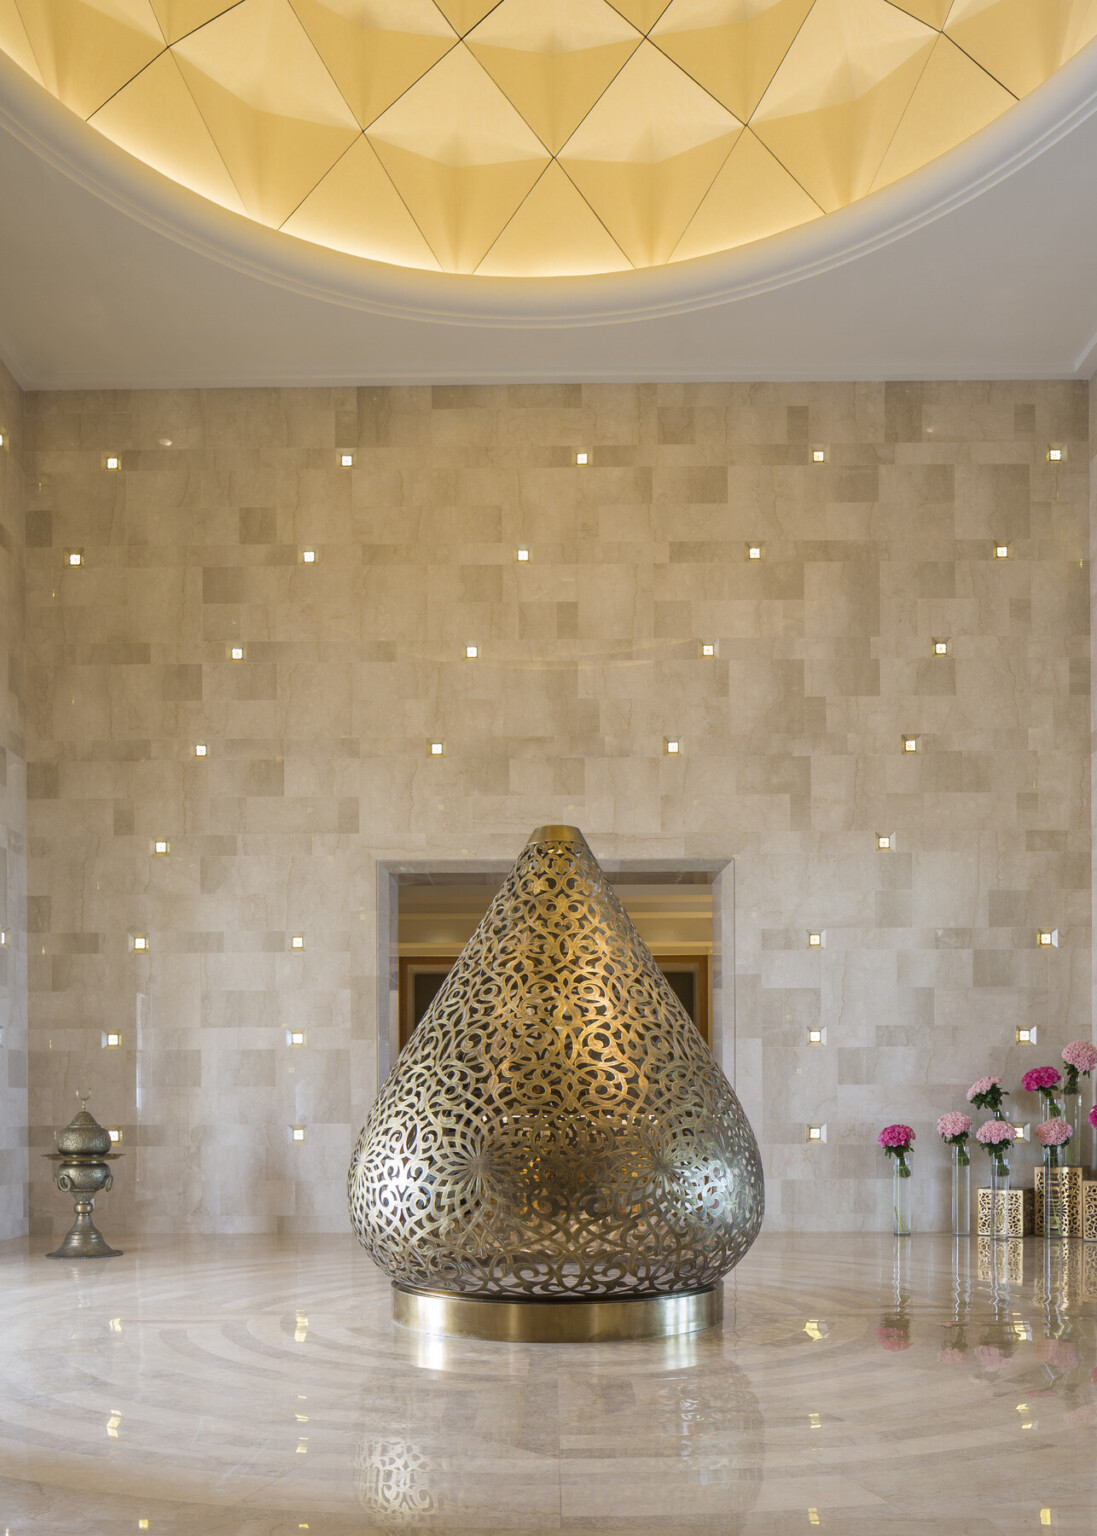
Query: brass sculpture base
[(84, 1240), (557, 1322)]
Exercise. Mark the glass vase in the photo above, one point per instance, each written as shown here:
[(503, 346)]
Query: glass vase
[(900, 1197), (961, 1192), (1054, 1192), (999, 1208), (1074, 1115)]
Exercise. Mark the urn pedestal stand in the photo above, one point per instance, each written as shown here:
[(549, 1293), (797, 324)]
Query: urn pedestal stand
[(84, 1158)]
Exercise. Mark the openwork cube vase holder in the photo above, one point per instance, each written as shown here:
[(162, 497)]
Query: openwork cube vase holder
[(1065, 1199), (1015, 1213), (556, 1154)]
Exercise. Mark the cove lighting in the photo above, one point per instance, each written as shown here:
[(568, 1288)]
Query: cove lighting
[(436, 748), (74, 557)]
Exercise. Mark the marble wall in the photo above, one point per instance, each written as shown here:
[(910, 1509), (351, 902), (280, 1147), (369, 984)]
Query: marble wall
[(318, 777), (13, 821)]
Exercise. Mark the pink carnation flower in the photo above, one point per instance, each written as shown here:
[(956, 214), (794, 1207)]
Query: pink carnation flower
[(982, 1085), (992, 1133), (1080, 1055), (1054, 1133), (1039, 1077), (953, 1124), (896, 1136), (1093, 1117)]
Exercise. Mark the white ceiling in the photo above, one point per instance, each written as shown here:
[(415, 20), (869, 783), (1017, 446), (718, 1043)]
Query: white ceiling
[(984, 265)]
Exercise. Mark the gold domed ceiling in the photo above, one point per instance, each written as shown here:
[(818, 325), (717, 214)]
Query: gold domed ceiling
[(533, 138)]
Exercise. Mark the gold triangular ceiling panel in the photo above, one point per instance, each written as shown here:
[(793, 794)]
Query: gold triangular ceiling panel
[(1022, 42), (752, 197), (86, 52), (376, 49), (731, 47), (553, 234), (155, 118), (642, 13), (553, 59), (270, 105), (357, 209), (932, 12), (953, 99), (14, 40), (178, 17), (834, 104), (463, 15)]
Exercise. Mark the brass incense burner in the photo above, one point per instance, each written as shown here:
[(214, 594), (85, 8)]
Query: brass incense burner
[(84, 1155), (556, 1153)]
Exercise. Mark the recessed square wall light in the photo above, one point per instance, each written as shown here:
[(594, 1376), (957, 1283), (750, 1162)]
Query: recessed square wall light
[(816, 939), (817, 1035), (754, 551), (521, 554), (672, 746), (110, 1040), (1024, 1132), (436, 748), (237, 653), (115, 1133), (308, 557), (1047, 938), (582, 456), (816, 1133), (1001, 551), (472, 651), (161, 846), (910, 743), (940, 647), (74, 557), (346, 460), (885, 841), (295, 1037), (297, 1133), (818, 455), (297, 941), (200, 749), (1026, 1034), (3, 439), (139, 942), (708, 648), (1055, 455), (3, 938), (112, 461)]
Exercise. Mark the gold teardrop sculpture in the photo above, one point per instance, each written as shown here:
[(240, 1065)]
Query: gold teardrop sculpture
[(556, 1127)]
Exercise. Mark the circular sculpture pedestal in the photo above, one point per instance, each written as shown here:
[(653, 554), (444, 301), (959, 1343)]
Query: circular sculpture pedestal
[(557, 1322)]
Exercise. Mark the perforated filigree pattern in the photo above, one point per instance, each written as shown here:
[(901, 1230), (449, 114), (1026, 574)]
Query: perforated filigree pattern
[(556, 1125)]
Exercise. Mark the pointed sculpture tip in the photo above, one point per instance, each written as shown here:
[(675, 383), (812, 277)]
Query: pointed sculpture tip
[(556, 833)]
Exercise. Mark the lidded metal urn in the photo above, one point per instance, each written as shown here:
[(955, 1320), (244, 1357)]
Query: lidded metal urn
[(84, 1155), (556, 1153)]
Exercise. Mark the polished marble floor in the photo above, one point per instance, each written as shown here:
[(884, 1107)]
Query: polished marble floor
[(239, 1386)]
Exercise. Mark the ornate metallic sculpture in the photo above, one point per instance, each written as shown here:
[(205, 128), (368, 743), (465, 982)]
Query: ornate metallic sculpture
[(556, 1130), (83, 1152)]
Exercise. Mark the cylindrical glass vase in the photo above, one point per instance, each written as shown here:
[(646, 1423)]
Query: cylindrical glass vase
[(1055, 1192), (900, 1197), (1075, 1116), (961, 1192), (999, 1197)]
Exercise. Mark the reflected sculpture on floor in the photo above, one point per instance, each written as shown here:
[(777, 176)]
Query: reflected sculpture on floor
[(556, 1129)]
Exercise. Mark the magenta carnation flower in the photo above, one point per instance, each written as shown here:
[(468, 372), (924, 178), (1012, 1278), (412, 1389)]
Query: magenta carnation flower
[(896, 1136), (1093, 1117), (1081, 1056), (1039, 1077), (1054, 1133)]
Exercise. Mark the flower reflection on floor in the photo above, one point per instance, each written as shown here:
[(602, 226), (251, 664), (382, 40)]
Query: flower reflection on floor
[(865, 1384)]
